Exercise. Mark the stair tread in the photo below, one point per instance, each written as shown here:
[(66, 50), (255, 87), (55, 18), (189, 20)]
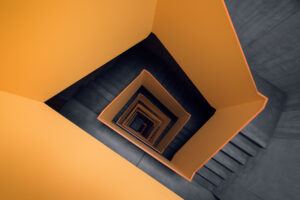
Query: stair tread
[(181, 137), (169, 152), (227, 161), (91, 99), (244, 143), (203, 182), (186, 132), (117, 73), (177, 142), (218, 169), (176, 88), (256, 135), (108, 84), (236, 153), (77, 112), (101, 90), (210, 176), (174, 146)]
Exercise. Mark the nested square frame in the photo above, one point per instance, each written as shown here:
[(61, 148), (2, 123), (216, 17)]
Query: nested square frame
[(148, 114), (140, 109), (146, 80), (143, 100)]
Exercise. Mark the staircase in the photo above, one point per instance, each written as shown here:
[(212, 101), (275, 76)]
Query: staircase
[(82, 102), (94, 92), (220, 169)]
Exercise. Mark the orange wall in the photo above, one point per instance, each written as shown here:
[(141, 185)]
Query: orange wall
[(45, 156), (201, 38), (48, 45), (210, 138)]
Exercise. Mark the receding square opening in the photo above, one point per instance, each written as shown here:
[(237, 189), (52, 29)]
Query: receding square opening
[(136, 122), (141, 124)]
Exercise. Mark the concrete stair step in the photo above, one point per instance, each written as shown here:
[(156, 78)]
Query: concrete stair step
[(108, 84), (210, 176), (235, 153), (198, 179), (227, 161), (245, 144), (91, 99), (101, 90), (218, 169)]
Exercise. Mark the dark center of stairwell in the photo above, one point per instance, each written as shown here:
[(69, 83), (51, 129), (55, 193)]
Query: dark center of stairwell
[(99, 88)]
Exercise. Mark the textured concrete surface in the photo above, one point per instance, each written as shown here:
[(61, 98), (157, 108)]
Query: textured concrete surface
[(269, 33), (289, 124), (262, 127), (273, 175)]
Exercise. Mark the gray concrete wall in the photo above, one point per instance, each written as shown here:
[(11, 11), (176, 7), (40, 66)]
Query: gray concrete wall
[(261, 129), (289, 124), (269, 32), (274, 174)]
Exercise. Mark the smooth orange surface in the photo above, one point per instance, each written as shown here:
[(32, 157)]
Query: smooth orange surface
[(45, 156), (200, 36), (48, 45)]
